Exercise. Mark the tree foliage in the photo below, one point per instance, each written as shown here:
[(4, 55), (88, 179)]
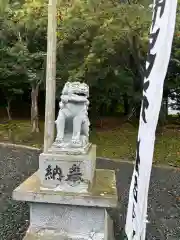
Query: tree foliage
[(103, 43), (23, 47), (172, 84)]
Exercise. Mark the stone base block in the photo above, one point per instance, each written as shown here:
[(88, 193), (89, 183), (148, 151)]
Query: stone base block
[(69, 222), (58, 215), (102, 194), (70, 173), (66, 148), (47, 235)]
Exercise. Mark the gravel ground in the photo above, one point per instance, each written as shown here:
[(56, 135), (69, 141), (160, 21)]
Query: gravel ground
[(164, 196), (15, 166), (163, 202)]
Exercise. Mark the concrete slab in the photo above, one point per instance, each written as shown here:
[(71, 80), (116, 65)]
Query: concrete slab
[(50, 236), (54, 236), (103, 193), (70, 221)]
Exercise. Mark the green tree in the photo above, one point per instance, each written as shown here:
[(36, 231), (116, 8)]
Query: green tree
[(12, 75), (31, 21), (172, 83), (103, 44), (23, 47)]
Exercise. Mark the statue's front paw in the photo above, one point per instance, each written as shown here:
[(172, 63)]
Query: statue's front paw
[(76, 143), (59, 142)]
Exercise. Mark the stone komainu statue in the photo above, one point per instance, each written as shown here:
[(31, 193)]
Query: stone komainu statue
[(72, 122)]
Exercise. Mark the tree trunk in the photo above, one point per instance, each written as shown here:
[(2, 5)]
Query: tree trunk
[(8, 109), (163, 113), (34, 109), (126, 105), (166, 107), (113, 108), (136, 54)]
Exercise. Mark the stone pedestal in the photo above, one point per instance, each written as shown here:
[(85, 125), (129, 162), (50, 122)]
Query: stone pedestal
[(66, 171), (70, 207)]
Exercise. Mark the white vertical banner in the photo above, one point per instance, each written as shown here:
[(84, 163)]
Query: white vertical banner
[(160, 42)]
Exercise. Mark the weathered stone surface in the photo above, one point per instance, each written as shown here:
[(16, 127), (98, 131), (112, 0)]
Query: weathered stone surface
[(52, 235), (72, 221), (71, 215), (66, 149), (102, 194), (67, 172), (48, 236), (72, 122), (69, 222)]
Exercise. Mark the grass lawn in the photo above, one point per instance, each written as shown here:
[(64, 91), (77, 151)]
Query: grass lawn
[(115, 143)]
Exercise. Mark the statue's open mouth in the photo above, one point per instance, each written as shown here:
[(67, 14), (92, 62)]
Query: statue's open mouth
[(81, 94)]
